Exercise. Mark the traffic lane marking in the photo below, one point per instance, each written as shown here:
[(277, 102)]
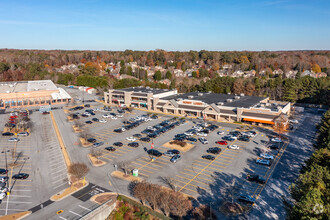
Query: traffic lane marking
[(193, 181), (198, 177)]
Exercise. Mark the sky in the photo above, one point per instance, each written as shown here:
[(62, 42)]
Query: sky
[(173, 25)]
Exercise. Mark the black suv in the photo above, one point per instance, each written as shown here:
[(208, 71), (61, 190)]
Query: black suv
[(213, 150), (91, 140), (145, 139), (154, 152), (118, 130), (133, 144), (255, 178), (7, 134), (118, 144)]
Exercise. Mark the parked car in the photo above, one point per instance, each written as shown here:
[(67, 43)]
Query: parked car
[(106, 116), (13, 139), (154, 152), (87, 105), (171, 153), (113, 117), (234, 147), (244, 138), (3, 190), (118, 130), (192, 139), (208, 157), (175, 158), (255, 178), (145, 139), (97, 144), (91, 140), (7, 134), (118, 144), (3, 171), (137, 135), (3, 195), (263, 162), (3, 179), (88, 122), (277, 140), (203, 140), (95, 119), (247, 199), (267, 156), (274, 146), (213, 150), (133, 144), (103, 121), (131, 139), (222, 142), (20, 176), (220, 132), (110, 148), (201, 134)]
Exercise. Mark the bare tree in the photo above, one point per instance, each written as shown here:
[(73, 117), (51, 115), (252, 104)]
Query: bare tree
[(97, 153), (153, 195), (78, 170), (125, 166), (140, 191), (85, 134), (203, 212), (164, 201), (77, 124), (179, 204), (171, 182)]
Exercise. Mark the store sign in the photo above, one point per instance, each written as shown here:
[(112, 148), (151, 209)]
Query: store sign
[(198, 103), (185, 102)]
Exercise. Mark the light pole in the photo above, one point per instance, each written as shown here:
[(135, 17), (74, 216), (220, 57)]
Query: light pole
[(5, 152)]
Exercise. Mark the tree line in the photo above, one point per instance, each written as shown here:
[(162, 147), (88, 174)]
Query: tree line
[(311, 192)]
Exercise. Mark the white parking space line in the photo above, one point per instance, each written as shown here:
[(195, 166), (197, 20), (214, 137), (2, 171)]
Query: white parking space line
[(62, 218), (19, 196), (15, 202), (75, 213), (24, 190), (59, 185), (84, 208), (59, 171)]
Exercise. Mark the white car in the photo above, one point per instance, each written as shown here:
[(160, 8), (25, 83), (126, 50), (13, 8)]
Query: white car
[(4, 190), (220, 132), (234, 147), (277, 140), (3, 195), (189, 133), (106, 116), (150, 127), (24, 133), (201, 134), (96, 109), (102, 120), (13, 139), (120, 116), (203, 140), (267, 156), (131, 139), (113, 117), (87, 113), (233, 137)]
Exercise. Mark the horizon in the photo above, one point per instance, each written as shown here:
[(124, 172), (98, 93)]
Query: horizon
[(99, 25)]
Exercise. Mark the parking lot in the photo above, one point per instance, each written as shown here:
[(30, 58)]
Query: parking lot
[(37, 155), (192, 175)]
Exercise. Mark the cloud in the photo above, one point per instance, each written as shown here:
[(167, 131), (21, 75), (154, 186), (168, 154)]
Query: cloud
[(275, 2)]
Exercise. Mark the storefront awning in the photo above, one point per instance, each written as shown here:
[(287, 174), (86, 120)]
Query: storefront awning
[(258, 120)]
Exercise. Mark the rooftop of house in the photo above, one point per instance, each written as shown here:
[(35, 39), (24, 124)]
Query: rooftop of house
[(229, 100)]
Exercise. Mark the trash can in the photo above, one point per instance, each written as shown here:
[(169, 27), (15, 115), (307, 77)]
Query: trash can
[(135, 172)]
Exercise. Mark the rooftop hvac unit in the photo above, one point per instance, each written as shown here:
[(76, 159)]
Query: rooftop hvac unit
[(139, 91), (179, 99), (267, 104), (220, 103), (151, 88), (262, 104), (200, 94), (190, 97), (228, 93), (148, 87), (229, 100), (165, 89), (7, 91), (279, 108), (242, 94), (36, 89), (11, 86), (237, 97), (209, 92), (149, 92)]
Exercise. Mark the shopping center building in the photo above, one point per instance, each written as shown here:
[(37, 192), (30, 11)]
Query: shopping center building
[(220, 107), (31, 93)]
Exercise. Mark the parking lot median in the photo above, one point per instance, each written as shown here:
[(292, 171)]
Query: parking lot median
[(95, 161), (19, 215), (123, 176), (186, 148)]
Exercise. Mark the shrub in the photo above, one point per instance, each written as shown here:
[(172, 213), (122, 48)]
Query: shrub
[(180, 143)]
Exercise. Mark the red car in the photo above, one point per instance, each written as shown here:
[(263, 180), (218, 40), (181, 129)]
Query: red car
[(13, 116), (222, 142)]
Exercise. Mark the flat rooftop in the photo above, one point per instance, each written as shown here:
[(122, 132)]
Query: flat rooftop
[(26, 86), (144, 90), (210, 98)]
